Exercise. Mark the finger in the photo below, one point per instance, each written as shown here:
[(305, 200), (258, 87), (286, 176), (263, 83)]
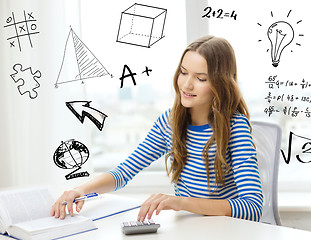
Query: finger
[(70, 206), (151, 210), (144, 208), (69, 197), (154, 205), (143, 212), (56, 210), (62, 211), (52, 212), (149, 206), (79, 206), (162, 206)]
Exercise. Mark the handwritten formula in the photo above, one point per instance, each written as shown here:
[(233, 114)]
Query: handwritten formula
[(219, 13), (289, 104)]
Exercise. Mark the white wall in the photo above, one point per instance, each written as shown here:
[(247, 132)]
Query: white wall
[(32, 129)]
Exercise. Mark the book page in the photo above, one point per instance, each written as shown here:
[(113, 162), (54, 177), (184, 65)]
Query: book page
[(4, 219), (26, 204), (51, 228), (44, 224)]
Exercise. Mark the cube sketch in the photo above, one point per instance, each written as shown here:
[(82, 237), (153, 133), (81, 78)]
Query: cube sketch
[(141, 25)]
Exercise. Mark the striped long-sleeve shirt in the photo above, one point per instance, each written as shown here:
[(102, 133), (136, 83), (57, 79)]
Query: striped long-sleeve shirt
[(242, 186)]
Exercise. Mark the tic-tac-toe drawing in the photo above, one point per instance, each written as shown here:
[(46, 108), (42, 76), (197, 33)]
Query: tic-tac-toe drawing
[(21, 29), (26, 80), (141, 25)]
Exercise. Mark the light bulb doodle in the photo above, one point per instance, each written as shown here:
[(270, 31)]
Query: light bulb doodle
[(280, 34)]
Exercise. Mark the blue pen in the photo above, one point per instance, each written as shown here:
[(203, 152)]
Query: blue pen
[(85, 197)]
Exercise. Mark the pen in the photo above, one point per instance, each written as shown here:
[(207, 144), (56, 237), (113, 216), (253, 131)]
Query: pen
[(85, 197)]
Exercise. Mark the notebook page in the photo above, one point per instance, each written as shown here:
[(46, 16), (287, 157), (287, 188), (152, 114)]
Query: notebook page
[(108, 205)]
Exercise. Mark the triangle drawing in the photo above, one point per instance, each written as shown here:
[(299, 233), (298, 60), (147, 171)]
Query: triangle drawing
[(78, 63)]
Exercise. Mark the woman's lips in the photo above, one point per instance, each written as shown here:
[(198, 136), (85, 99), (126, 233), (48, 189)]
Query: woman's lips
[(188, 95)]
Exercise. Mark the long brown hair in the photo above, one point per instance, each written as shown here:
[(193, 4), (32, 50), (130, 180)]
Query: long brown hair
[(222, 75)]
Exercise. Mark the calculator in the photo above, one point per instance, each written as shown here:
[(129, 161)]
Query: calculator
[(138, 227)]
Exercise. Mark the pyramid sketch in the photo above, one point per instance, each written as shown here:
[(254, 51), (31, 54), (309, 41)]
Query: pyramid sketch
[(78, 63)]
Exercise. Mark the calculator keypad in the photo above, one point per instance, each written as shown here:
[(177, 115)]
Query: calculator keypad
[(137, 227)]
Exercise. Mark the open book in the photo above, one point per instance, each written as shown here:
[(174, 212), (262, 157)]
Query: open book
[(24, 214)]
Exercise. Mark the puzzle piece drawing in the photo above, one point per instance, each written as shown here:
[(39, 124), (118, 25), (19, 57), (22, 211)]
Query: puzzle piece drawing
[(26, 80)]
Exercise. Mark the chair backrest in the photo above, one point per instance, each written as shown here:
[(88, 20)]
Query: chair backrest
[(267, 139)]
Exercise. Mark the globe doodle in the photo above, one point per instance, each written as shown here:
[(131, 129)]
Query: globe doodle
[(71, 154)]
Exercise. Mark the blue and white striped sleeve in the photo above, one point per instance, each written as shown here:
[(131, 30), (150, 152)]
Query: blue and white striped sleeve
[(151, 149), (249, 203)]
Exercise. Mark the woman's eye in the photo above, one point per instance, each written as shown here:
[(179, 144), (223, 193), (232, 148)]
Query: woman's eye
[(183, 73), (201, 79)]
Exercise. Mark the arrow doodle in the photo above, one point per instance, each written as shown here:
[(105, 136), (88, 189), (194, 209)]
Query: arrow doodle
[(83, 107)]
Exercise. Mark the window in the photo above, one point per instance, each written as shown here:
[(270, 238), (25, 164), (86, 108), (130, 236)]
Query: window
[(264, 85), (131, 109)]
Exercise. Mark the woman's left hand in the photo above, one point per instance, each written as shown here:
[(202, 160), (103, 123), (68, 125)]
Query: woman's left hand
[(159, 202)]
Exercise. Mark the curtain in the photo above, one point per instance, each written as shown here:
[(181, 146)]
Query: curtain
[(33, 124)]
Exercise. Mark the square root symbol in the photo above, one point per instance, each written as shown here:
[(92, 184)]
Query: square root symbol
[(141, 25)]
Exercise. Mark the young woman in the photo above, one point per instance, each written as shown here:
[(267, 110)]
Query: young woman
[(206, 138)]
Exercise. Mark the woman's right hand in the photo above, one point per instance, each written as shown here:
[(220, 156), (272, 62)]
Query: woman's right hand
[(59, 210)]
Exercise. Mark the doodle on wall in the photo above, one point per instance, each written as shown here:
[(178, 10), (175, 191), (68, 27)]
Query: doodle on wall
[(79, 62), (26, 80), (141, 25), (300, 142), (97, 117), (219, 13), (72, 154), (127, 72), (296, 105), (280, 34), (21, 30)]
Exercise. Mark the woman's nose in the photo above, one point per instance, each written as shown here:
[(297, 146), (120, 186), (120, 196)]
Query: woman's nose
[(189, 83)]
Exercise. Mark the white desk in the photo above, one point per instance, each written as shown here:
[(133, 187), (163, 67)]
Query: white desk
[(184, 225)]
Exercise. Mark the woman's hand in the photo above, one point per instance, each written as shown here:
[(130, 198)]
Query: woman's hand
[(159, 202), (59, 210)]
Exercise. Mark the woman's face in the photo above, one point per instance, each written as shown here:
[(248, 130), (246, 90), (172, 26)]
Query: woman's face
[(193, 82)]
